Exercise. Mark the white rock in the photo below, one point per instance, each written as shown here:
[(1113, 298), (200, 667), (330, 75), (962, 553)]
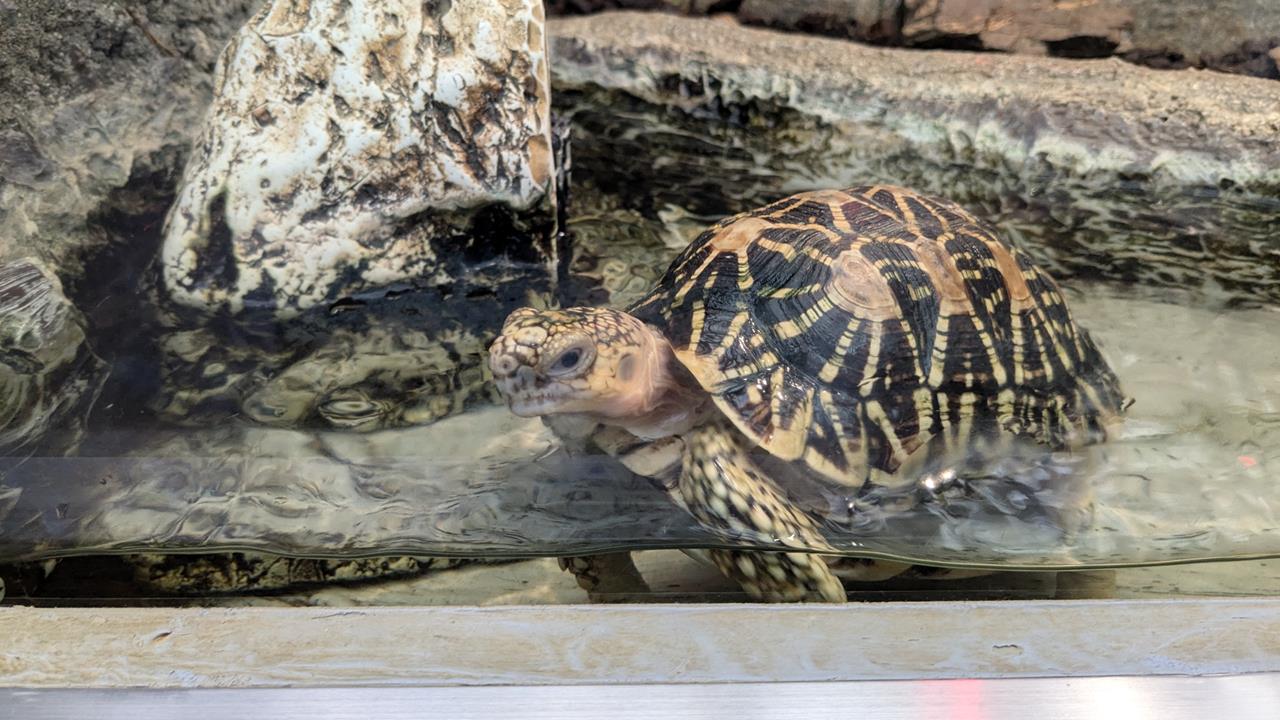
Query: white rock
[(349, 139)]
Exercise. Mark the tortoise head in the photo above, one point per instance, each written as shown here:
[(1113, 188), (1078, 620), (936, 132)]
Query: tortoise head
[(591, 361)]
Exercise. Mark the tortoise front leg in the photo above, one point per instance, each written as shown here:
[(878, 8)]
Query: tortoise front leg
[(611, 577), (724, 490), (608, 577)]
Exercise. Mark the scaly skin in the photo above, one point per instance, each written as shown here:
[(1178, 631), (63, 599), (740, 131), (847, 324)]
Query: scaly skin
[(593, 364), (722, 487)]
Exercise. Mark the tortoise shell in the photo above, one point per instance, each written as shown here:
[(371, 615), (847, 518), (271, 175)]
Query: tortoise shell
[(845, 329)]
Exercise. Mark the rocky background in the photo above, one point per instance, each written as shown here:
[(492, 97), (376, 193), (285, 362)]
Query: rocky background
[(96, 97), (1098, 168), (102, 104), (1239, 36), (99, 101)]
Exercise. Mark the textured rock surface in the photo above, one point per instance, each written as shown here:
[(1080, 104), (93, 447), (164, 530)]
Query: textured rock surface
[(350, 144), (49, 377), (1100, 168), (1231, 35), (1224, 34), (93, 94), (1090, 28)]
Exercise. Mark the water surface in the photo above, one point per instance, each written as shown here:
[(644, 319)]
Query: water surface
[(1190, 477)]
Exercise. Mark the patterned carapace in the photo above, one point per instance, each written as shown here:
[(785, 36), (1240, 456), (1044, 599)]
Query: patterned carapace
[(845, 329)]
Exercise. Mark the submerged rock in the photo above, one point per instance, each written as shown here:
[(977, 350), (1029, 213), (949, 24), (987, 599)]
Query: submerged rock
[(375, 380), (397, 359), (354, 145), (617, 255), (1098, 168), (226, 573), (49, 377)]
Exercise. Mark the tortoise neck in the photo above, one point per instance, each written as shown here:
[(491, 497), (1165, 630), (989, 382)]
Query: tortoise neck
[(669, 400)]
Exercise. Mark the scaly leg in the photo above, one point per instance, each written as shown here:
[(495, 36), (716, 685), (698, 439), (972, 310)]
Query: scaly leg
[(607, 578), (724, 490)]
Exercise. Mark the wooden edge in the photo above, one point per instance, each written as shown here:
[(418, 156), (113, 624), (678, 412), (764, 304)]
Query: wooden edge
[(565, 645)]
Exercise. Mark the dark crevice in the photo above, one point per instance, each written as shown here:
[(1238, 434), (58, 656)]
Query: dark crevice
[(1251, 58), (1083, 46), (438, 8), (115, 291), (968, 43), (587, 7), (1164, 60), (220, 271), (724, 6)]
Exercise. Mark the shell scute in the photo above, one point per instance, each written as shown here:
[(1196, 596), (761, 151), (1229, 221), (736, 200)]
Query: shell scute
[(845, 329)]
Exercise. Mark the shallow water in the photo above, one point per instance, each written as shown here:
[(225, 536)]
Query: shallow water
[(370, 428), (1190, 476)]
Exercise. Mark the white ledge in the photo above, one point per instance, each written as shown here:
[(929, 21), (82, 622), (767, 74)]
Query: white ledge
[(567, 645)]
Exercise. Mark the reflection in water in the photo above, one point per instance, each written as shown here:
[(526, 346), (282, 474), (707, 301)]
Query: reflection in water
[(1190, 477)]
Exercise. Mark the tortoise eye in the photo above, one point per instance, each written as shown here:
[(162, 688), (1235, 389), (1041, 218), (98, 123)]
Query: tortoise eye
[(572, 360)]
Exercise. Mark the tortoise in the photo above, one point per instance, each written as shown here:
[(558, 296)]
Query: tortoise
[(855, 337)]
